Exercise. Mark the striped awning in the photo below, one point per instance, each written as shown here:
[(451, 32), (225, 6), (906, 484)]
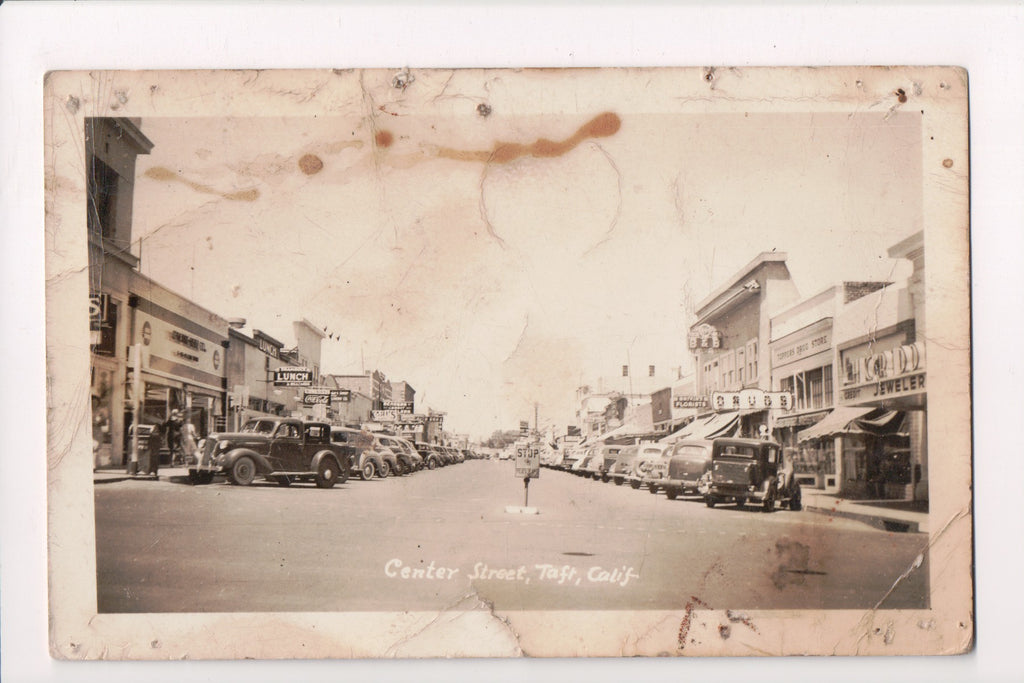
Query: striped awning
[(839, 421)]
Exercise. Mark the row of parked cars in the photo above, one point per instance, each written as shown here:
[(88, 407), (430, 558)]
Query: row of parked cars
[(286, 450), (725, 470)]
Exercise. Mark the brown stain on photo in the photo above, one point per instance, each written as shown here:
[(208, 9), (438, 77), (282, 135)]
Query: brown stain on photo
[(166, 175), (383, 138), (310, 164), (601, 126)]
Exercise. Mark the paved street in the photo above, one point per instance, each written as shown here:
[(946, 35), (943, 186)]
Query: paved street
[(436, 538)]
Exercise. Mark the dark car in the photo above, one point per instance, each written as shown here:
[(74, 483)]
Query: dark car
[(687, 464), (408, 459), (745, 470), (366, 462), (432, 458), (279, 449)]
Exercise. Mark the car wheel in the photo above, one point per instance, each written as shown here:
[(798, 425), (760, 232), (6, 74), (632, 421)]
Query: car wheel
[(604, 478), (652, 488), (741, 503), (795, 502), (710, 501), (243, 471), (366, 471), (618, 481), (431, 464), (635, 484), (768, 505), (327, 473), (385, 470), (284, 481), (671, 494)]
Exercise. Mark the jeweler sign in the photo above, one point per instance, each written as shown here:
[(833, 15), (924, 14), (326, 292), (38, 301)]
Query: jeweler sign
[(293, 377), (527, 462)]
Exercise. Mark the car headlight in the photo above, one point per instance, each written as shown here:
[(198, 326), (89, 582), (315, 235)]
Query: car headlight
[(223, 446)]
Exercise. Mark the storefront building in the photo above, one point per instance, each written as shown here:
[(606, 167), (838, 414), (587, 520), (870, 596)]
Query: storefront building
[(729, 342), (879, 426), (152, 350)]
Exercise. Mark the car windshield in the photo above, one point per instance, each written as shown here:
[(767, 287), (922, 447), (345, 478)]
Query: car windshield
[(693, 453), (259, 427), (652, 451)]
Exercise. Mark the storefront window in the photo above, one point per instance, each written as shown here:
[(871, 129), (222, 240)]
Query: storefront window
[(102, 393)]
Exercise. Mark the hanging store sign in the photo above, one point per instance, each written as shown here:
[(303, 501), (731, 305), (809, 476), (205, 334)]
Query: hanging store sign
[(102, 324), (316, 397), (752, 399), (704, 337), (293, 377), (400, 407), (383, 415), (341, 395)]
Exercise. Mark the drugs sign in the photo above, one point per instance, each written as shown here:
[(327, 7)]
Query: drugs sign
[(527, 462)]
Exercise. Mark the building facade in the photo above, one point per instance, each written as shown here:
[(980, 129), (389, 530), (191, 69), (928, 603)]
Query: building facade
[(730, 344)]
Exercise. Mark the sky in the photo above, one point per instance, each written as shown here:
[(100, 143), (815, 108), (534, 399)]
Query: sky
[(500, 261)]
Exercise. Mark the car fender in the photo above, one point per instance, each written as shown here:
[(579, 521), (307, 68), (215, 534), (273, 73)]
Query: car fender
[(372, 457), (340, 460), (228, 460)]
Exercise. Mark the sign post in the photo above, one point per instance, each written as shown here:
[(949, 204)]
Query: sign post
[(527, 467)]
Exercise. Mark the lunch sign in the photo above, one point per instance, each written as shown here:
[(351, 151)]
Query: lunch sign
[(293, 377)]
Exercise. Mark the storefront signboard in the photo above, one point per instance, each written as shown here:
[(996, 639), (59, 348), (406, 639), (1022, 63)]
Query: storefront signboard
[(899, 371), (341, 395), (704, 337), (316, 397), (752, 399), (293, 377), (684, 402)]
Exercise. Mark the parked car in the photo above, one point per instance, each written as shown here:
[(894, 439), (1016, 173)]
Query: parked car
[(600, 464), (570, 455), (622, 468), (391, 466), (366, 462), (432, 458), (414, 456), (579, 468), (744, 470), (284, 450), (649, 456), (406, 459), (687, 463)]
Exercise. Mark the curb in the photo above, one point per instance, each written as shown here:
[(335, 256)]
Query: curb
[(873, 519)]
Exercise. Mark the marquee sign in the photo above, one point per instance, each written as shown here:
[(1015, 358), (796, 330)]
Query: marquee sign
[(752, 399)]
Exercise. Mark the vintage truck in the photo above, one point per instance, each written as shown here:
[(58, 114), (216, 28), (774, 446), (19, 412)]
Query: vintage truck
[(278, 449)]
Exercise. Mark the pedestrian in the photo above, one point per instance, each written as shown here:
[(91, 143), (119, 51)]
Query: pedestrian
[(188, 441), (173, 433)]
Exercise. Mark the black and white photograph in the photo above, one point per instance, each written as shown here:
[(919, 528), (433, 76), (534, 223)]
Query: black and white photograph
[(497, 362)]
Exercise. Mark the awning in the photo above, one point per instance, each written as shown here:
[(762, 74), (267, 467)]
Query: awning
[(711, 427), (804, 420), (837, 422)]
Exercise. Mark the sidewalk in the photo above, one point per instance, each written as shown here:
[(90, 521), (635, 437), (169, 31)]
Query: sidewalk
[(111, 475), (879, 516)]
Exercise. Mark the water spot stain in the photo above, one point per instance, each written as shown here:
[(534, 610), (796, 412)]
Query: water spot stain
[(166, 175), (948, 163), (383, 138), (901, 95), (310, 164), (601, 126)]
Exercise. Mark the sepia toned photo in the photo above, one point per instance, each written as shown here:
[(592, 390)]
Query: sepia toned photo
[(408, 363)]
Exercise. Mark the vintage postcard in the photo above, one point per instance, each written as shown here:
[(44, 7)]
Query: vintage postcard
[(405, 363)]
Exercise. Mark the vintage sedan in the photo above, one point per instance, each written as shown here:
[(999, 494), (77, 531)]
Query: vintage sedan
[(366, 462), (622, 468), (648, 460), (744, 470), (283, 450), (687, 463), (432, 457)]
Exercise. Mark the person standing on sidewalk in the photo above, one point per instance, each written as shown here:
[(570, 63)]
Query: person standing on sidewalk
[(188, 441), (173, 427)]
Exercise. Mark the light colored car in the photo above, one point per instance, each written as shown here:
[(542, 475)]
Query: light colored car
[(650, 464), (622, 469)]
